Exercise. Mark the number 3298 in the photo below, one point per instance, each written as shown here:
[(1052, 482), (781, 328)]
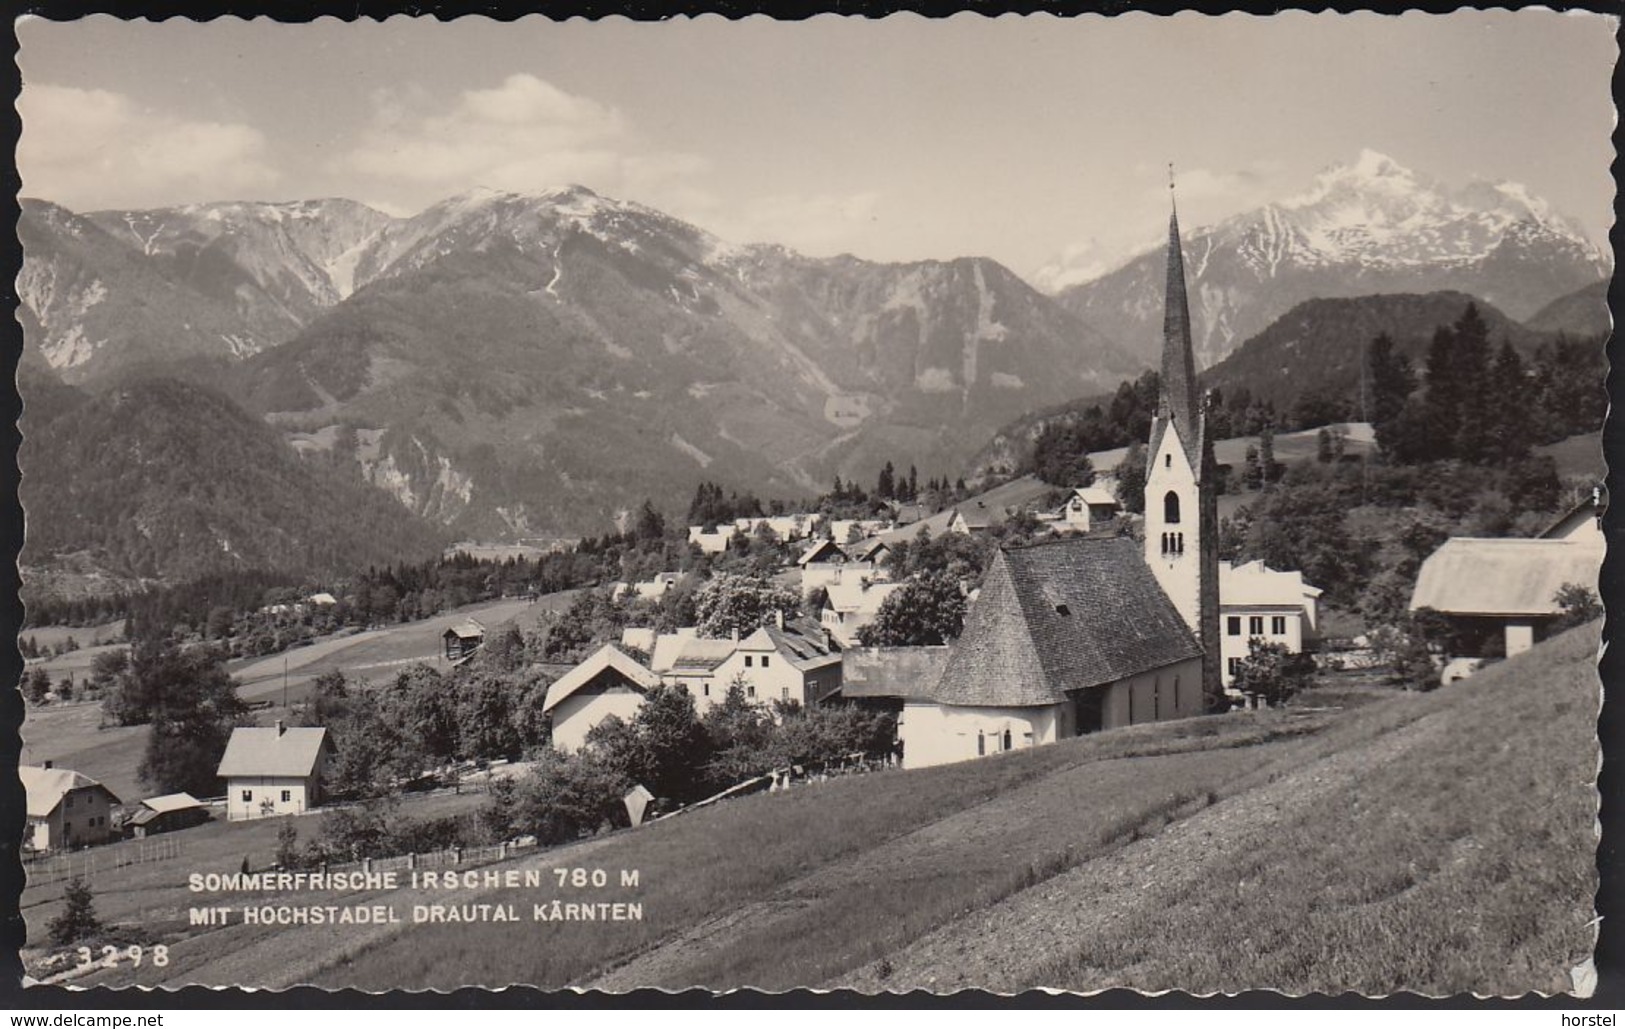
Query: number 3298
[(112, 957)]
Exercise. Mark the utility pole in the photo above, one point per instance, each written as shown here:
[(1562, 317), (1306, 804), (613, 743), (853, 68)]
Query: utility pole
[(284, 681)]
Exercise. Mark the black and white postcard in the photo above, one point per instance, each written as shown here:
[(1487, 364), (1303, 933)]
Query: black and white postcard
[(848, 504)]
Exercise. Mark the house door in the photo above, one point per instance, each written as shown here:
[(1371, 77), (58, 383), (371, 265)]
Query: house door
[(1087, 713)]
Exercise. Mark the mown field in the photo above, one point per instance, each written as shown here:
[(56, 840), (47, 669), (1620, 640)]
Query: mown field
[(1430, 842), (151, 898)]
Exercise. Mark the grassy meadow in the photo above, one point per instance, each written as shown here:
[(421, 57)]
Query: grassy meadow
[(1374, 842)]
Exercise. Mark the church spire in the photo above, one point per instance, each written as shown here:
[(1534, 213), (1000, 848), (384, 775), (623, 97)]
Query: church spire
[(1178, 359)]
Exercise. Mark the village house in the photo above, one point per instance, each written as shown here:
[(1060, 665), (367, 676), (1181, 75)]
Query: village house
[(1068, 637), (463, 639), (820, 564), (163, 814), (693, 666), (1089, 508), (609, 682), (273, 771), (66, 809), (851, 530), (712, 542), (1258, 602), (1509, 586), (851, 603), (884, 678), (785, 661), (786, 527), (651, 589)]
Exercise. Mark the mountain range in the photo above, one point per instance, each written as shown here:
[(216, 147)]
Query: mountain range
[(514, 364), (1372, 226)]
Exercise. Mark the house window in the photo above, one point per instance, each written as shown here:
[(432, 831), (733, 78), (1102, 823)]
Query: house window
[(785, 693), (1278, 625), (1007, 739), (1255, 625), (1235, 666), (1167, 460), (747, 660), (750, 691), (1235, 625), (764, 660), (981, 744), (287, 795), (248, 795), (1170, 508), (707, 688)]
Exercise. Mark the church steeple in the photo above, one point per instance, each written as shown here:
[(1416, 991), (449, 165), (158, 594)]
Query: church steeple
[(1181, 503), (1179, 398)]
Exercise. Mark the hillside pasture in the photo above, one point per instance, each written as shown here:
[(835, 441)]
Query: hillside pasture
[(379, 653), (70, 736), (1410, 841), (152, 898)]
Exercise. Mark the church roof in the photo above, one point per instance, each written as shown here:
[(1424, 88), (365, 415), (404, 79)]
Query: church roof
[(1179, 402), (1062, 616)]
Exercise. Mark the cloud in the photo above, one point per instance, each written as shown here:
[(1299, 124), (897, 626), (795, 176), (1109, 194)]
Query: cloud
[(1206, 197), (522, 134), (818, 224), (91, 148)]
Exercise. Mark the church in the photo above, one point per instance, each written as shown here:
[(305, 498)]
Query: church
[(1075, 635)]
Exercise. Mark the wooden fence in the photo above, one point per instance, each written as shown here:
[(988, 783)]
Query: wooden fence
[(88, 864)]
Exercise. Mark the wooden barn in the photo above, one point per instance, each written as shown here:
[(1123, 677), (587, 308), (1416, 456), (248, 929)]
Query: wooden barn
[(463, 639), (163, 814)]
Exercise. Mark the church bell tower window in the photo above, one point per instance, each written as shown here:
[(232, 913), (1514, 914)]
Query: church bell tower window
[(1170, 508)]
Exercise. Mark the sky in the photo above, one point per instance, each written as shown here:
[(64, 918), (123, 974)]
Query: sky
[(1041, 142)]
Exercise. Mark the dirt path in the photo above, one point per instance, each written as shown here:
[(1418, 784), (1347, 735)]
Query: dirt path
[(1001, 948)]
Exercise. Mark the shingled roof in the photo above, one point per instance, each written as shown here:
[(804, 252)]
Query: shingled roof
[(1505, 577), (1062, 616), (273, 751), (45, 787)]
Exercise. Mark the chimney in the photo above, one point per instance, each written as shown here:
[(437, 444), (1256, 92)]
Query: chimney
[(734, 634), (281, 727)]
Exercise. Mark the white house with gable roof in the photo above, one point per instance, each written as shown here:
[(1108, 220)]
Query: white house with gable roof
[(273, 771)]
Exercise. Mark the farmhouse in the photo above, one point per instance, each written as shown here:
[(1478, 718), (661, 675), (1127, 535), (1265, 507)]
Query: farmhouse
[(884, 678), (607, 683), (693, 666), (821, 564), (1089, 508), (850, 604), (651, 589), (786, 661), (273, 771), (712, 542), (1258, 602), (1509, 585), (65, 809), (850, 530), (463, 639), (1068, 636), (168, 813)]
